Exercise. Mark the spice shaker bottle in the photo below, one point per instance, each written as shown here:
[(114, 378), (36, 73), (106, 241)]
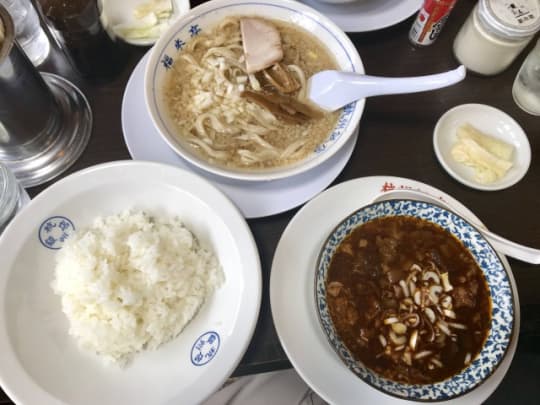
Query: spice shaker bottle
[(429, 21), (77, 27), (526, 88), (495, 33)]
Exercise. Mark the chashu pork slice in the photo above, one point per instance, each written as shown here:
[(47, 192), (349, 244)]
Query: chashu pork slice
[(262, 44)]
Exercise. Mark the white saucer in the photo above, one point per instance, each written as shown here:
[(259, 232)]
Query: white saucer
[(293, 303), (366, 15), (254, 199), (489, 120)]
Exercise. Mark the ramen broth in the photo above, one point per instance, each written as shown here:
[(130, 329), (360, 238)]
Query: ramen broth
[(206, 99), (408, 300)]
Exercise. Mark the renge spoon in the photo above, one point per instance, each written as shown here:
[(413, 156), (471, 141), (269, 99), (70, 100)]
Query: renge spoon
[(333, 89), (500, 244)]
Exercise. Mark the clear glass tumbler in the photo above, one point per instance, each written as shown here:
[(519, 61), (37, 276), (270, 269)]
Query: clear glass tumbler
[(45, 120), (28, 31), (526, 88), (10, 196)]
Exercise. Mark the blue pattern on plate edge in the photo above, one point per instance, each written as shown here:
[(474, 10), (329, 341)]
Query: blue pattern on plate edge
[(502, 321), (190, 30), (205, 348), (54, 231)]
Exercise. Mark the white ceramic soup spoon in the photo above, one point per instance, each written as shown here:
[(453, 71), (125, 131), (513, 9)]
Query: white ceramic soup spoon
[(332, 89), (500, 244)]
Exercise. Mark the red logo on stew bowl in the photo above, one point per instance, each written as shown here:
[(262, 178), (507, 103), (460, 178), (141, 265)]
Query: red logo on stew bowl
[(414, 300)]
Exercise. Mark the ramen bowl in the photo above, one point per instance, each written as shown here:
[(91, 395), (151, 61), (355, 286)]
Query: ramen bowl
[(382, 340), (168, 50)]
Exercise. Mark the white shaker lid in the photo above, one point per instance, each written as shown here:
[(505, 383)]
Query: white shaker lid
[(511, 20)]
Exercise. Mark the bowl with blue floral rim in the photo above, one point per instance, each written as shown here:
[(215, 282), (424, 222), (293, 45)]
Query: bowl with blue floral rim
[(501, 325), (167, 53)]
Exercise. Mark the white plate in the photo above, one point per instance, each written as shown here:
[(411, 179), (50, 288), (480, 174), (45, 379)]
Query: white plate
[(293, 303), (41, 363), (121, 12), (489, 120), (254, 199), (366, 15)]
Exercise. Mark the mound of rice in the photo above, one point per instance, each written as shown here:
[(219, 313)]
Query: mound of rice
[(132, 282)]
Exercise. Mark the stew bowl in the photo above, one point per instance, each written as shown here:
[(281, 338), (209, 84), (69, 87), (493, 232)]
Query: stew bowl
[(500, 328)]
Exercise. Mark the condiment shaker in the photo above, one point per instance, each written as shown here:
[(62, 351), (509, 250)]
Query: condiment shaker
[(429, 21), (77, 26), (495, 33), (526, 88)]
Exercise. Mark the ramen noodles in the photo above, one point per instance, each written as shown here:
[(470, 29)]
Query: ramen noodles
[(233, 116)]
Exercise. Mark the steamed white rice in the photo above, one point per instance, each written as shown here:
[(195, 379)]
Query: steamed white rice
[(132, 282)]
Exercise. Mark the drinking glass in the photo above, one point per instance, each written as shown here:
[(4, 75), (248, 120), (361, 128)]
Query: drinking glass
[(45, 121), (12, 196), (526, 88), (28, 31), (9, 196)]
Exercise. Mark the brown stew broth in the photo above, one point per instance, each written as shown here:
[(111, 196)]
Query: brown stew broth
[(375, 312)]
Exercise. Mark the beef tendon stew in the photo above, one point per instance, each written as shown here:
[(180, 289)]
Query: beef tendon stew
[(408, 300)]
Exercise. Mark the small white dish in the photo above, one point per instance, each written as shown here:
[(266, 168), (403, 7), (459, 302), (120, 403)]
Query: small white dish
[(121, 12), (491, 121), (254, 199), (42, 364), (293, 301), (366, 15), (169, 48)]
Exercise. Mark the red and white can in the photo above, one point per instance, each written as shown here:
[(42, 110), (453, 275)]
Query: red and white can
[(430, 20)]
